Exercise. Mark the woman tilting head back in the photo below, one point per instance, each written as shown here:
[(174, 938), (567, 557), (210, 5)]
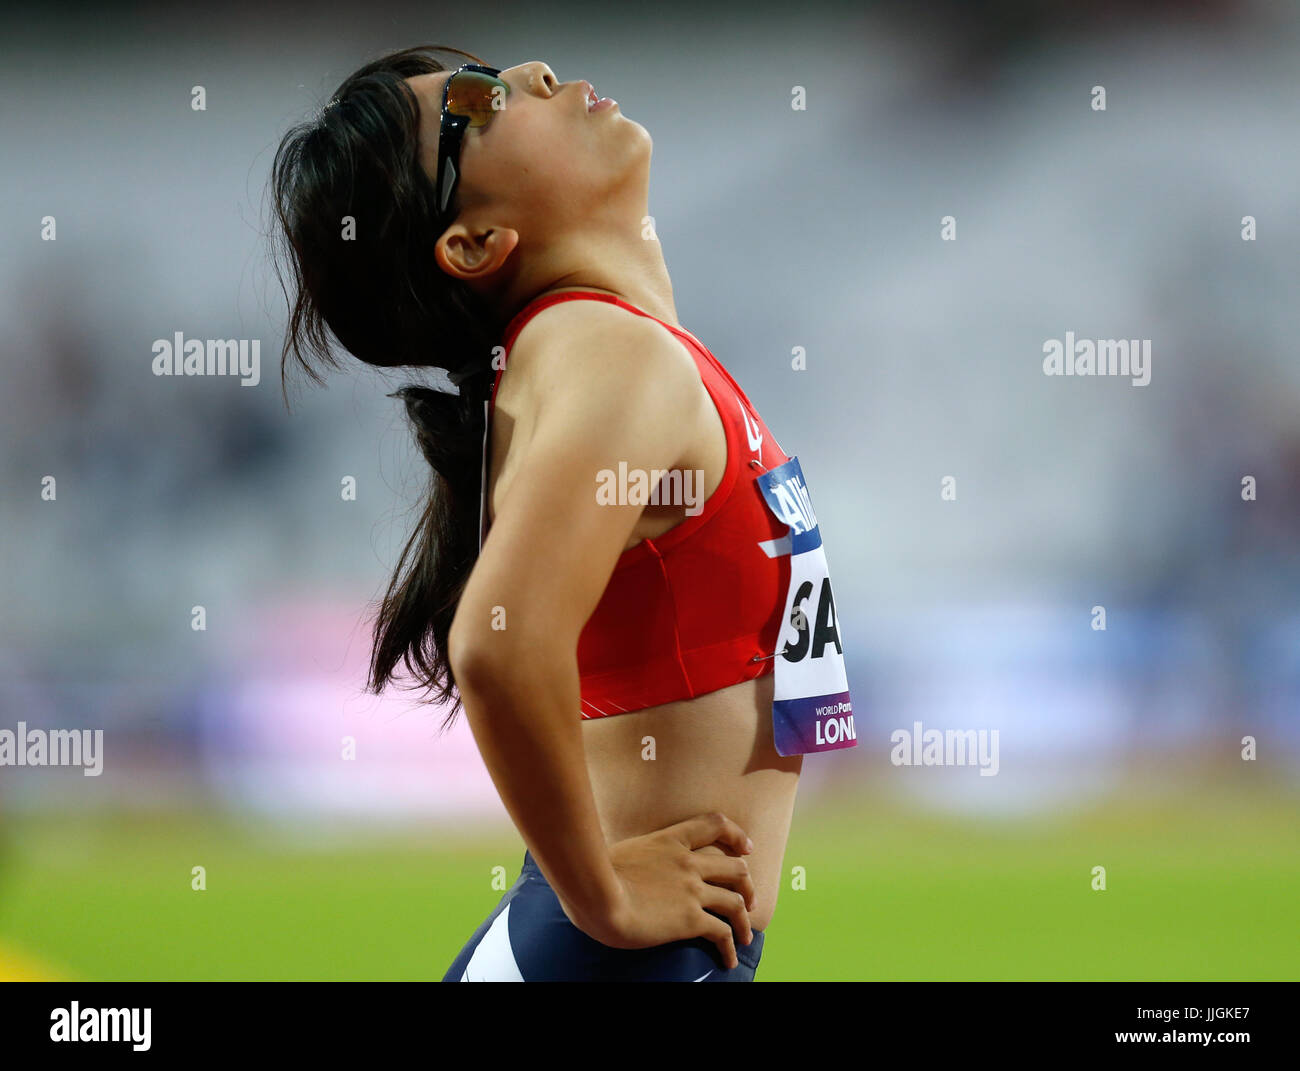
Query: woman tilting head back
[(494, 224), (368, 255)]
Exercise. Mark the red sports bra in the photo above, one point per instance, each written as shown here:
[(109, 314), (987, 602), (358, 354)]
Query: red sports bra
[(698, 608)]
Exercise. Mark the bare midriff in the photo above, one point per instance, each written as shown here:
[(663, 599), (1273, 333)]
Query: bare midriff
[(711, 753)]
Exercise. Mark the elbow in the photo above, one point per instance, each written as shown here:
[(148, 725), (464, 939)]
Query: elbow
[(473, 669), (486, 661), (471, 658)]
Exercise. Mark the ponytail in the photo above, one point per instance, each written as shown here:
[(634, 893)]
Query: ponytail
[(414, 619)]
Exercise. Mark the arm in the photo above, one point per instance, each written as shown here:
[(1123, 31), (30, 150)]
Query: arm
[(617, 388)]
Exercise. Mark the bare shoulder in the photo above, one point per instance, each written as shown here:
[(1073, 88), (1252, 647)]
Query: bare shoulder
[(604, 353)]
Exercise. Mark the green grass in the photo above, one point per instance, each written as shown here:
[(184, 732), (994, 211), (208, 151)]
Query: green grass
[(1202, 888), (1206, 889)]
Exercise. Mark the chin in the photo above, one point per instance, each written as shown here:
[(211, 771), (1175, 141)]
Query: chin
[(642, 137)]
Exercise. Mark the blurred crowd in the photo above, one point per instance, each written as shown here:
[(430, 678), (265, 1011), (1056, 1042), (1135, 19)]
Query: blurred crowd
[(817, 228)]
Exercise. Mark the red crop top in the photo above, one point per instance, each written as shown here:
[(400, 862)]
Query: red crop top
[(698, 608)]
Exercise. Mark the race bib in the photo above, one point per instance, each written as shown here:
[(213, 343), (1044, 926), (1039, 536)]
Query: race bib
[(811, 708)]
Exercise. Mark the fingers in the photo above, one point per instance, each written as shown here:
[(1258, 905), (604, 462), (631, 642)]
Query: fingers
[(730, 905), (728, 872), (717, 931), (714, 829)]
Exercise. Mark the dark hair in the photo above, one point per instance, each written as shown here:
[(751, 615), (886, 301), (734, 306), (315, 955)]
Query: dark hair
[(379, 291)]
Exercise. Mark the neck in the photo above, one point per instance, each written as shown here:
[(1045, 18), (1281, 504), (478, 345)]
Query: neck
[(614, 259)]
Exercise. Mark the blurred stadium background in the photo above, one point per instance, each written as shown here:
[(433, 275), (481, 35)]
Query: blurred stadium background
[(782, 228)]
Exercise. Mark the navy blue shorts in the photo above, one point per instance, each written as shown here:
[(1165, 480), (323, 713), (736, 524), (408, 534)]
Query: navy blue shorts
[(529, 938)]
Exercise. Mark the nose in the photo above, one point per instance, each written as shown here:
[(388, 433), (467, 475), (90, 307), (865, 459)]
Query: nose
[(538, 78)]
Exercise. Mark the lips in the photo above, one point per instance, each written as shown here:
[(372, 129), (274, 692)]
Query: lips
[(595, 102)]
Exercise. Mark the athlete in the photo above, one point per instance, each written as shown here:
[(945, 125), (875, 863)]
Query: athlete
[(618, 573)]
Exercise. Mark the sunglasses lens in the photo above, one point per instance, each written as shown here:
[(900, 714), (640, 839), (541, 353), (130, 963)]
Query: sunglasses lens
[(476, 96)]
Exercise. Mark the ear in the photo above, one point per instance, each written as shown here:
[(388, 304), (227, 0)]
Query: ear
[(474, 255)]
